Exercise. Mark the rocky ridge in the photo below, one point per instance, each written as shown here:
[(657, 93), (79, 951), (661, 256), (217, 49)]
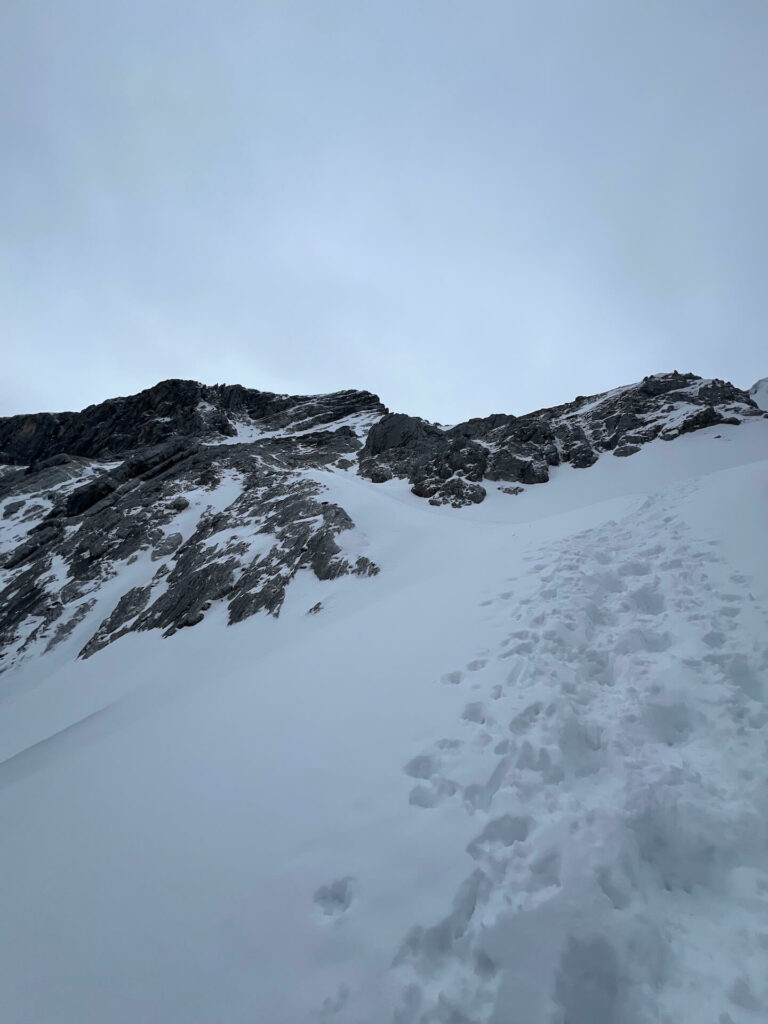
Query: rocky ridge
[(142, 512), (448, 465)]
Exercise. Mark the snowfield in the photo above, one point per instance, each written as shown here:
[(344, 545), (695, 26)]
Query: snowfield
[(519, 777)]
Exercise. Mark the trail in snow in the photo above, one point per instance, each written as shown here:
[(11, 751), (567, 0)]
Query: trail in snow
[(608, 752), (518, 777)]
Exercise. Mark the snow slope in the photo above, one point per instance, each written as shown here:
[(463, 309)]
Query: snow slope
[(759, 393), (521, 775)]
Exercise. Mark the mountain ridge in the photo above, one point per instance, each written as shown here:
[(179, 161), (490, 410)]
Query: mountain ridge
[(211, 490)]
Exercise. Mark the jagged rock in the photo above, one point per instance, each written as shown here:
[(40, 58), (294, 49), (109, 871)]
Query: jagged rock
[(93, 519), (438, 463), (65, 629), (458, 493), (504, 448), (210, 483), (88, 495), (398, 431), (504, 465), (706, 417), (365, 567), (166, 546), (173, 408), (127, 608)]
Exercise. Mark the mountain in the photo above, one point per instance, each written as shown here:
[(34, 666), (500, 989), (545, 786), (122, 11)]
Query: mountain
[(471, 725), (143, 512)]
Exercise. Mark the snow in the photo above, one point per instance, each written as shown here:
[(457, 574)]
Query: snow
[(598, 401), (249, 432), (205, 501), (519, 775), (361, 423), (759, 393)]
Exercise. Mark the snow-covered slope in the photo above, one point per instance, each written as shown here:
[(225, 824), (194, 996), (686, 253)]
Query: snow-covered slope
[(759, 393), (521, 775), (146, 512)]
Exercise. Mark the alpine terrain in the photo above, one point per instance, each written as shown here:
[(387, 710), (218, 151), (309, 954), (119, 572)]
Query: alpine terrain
[(316, 713)]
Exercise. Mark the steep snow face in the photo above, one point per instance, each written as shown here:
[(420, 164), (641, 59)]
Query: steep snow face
[(759, 393), (520, 775)]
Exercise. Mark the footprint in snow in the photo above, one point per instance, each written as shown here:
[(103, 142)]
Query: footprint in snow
[(432, 787), (452, 678), (474, 712), (333, 900)]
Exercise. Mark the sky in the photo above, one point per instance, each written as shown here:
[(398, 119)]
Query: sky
[(464, 207)]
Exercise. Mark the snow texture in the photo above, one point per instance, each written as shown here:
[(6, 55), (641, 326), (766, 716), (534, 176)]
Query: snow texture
[(520, 776), (759, 393)]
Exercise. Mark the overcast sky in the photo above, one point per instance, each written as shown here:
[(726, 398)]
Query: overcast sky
[(466, 207)]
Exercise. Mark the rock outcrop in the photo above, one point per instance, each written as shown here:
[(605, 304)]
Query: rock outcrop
[(145, 512), (448, 465), (142, 512), (171, 409)]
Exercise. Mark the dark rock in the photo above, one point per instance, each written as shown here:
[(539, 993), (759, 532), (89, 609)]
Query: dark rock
[(88, 495), (582, 456), (520, 449), (706, 417), (365, 567), (53, 460), (12, 508), (102, 490), (459, 492), (65, 629), (173, 408), (505, 465), (127, 608), (425, 488), (396, 430), (166, 546)]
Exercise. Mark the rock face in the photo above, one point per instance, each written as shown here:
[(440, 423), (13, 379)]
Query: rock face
[(448, 465), (173, 408), (142, 512), (145, 512)]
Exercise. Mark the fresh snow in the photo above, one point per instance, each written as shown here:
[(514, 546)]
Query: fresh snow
[(759, 393), (519, 776), (247, 433)]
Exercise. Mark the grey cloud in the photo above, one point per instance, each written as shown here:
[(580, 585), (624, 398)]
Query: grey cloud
[(466, 208)]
